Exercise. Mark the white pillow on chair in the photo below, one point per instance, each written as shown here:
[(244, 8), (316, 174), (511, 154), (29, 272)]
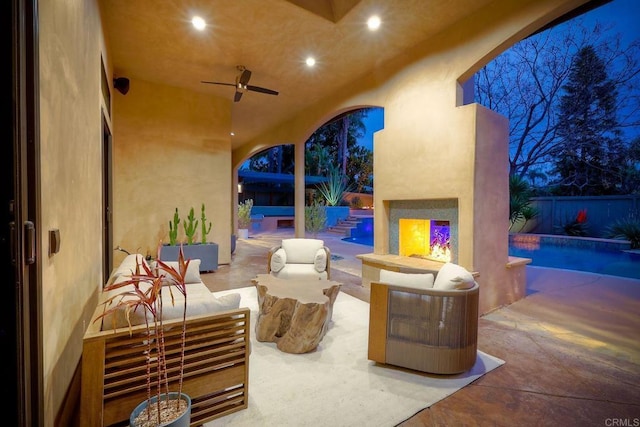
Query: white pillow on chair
[(320, 261), (453, 276), (278, 260), (193, 270)]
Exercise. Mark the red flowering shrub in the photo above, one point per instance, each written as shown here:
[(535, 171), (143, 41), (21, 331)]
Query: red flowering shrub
[(577, 226), (581, 218)]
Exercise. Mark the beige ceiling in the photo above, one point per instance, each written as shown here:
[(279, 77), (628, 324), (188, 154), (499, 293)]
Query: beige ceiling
[(154, 40)]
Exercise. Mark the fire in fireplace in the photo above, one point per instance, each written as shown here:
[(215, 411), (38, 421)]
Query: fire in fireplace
[(425, 238)]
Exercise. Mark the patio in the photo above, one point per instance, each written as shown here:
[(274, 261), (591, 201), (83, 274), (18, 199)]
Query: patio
[(571, 349)]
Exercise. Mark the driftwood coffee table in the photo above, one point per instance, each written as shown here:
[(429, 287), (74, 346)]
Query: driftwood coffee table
[(294, 313)]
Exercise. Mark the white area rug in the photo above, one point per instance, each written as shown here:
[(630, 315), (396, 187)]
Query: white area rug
[(337, 385)]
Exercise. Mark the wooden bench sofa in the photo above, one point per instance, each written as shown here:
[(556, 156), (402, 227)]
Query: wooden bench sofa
[(216, 374)]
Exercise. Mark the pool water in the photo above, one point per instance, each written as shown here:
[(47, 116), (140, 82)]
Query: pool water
[(612, 262), (559, 252)]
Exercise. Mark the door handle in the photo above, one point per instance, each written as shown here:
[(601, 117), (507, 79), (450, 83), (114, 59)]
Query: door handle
[(30, 242), (12, 241)]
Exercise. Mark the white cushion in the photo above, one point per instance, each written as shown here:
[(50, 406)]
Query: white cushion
[(409, 280), (193, 270), (301, 250), (199, 301), (199, 305), (300, 271), (278, 260), (320, 260), (453, 276)]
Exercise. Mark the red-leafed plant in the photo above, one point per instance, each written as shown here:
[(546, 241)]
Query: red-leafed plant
[(577, 226), (143, 291), (581, 218)]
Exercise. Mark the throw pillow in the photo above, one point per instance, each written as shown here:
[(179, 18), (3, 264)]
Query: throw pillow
[(193, 270), (128, 266), (278, 260), (453, 276), (409, 280), (320, 261)]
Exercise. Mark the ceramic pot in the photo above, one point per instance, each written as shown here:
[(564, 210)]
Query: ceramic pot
[(243, 233), (183, 420)]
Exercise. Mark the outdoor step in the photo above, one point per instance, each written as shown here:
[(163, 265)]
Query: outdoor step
[(340, 230)]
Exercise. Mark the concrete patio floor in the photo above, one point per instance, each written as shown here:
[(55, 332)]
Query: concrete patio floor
[(571, 347)]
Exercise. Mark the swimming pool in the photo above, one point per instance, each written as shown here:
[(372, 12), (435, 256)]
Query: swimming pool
[(581, 254), (574, 253)]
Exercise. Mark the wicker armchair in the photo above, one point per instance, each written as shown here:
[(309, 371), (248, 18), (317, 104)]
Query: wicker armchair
[(428, 330)]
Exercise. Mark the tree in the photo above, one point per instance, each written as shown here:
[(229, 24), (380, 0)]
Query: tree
[(525, 84), (631, 178), (279, 159), (339, 137), (360, 169), (317, 160), (333, 145), (591, 158)]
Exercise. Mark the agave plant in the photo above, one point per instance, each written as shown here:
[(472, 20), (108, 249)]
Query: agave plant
[(626, 229), (143, 291), (333, 190)]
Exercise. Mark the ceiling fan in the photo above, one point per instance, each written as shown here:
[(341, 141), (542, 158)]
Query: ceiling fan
[(242, 85)]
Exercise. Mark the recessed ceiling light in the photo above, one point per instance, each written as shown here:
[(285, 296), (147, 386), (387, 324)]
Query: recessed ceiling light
[(198, 23), (232, 134), (311, 61), (373, 23)]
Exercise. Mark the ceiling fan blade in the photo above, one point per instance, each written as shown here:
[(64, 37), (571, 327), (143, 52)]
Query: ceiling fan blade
[(237, 96), (218, 83), (261, 90), (244, 77)]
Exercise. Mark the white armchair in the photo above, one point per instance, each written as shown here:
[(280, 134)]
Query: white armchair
[(300, 258)]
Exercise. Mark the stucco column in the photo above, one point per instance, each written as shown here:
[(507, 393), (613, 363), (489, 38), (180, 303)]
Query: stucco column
[(234, 200), (299, 189)]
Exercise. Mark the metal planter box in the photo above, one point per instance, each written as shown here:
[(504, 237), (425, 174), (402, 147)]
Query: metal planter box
[(207, 254)]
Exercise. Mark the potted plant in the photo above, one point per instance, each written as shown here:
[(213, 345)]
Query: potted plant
[(315, 218), (206, 252), (244, 218), (143, 291)]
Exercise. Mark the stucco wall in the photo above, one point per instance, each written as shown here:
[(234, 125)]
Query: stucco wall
[(70, 184), (171, 149)]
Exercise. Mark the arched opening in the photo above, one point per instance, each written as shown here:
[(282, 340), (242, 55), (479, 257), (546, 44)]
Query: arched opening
[(338, 171)]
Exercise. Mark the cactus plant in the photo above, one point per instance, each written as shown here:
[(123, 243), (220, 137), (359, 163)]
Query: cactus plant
[(173, 228), (190, 225), (203, 224)]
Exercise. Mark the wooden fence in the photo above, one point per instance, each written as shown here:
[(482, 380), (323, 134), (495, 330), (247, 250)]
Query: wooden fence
[(602, 211)]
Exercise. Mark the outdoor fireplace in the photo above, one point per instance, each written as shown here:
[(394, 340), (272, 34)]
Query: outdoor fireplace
[(425, 238), (424, 229)]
